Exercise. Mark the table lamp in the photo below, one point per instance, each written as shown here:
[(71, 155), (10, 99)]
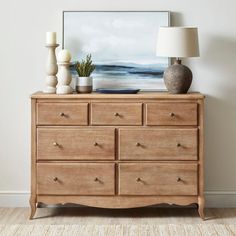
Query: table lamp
[(177, 42)]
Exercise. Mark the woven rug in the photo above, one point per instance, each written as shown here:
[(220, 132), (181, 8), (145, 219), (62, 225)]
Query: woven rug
[(119, 230)]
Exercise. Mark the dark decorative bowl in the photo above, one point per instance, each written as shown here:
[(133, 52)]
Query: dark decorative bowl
[(117, 90)]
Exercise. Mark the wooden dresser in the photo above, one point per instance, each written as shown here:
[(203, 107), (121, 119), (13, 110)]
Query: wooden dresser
[(117, 151)]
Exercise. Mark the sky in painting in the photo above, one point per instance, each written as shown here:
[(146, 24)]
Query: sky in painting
[(113, 37)]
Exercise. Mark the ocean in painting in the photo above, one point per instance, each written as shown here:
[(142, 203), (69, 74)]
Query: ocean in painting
[(122, 45), (126, 71)]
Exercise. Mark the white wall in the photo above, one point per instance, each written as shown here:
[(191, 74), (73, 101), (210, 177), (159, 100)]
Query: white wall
[(22, 71)]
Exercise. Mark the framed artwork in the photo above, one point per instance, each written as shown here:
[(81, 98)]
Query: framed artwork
[(122, 45)]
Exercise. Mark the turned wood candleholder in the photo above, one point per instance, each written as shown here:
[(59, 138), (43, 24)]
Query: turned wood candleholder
[(64, 78), (51, 69)]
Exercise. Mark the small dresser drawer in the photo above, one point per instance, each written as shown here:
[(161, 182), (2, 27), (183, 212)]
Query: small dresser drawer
[(75, 179), (171, 113), (158, 144), (116, 113), (62, 113), (157, 179), (75, 143)]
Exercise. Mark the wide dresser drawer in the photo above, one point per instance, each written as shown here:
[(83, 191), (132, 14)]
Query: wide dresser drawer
[(158, 144), (75, 143), (167, 113), (158, 179), (62, 113), (75, 179), (116, 113)]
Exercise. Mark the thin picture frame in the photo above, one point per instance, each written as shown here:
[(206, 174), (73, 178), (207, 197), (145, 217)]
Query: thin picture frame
[(136, 77)]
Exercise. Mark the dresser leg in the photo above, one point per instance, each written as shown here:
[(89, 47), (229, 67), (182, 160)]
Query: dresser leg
[(201, 206), (32, 206)]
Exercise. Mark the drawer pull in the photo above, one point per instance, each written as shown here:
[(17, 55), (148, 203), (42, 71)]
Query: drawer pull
[(98, 180), (178, 145), (179, 179), (55, 179), (62, 114), (172, 114), (138, 144), (116, 114), (138, 180), (95, 144), (55, 144)]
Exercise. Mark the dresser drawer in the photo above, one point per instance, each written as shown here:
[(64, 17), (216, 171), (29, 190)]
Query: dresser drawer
[(116, 113), (62, 113), (171, 113), (75, 143), (158, 144), (157, 179), (75, 179)]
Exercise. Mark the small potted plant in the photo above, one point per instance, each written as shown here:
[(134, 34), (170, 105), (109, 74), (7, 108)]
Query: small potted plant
[(84, 69)]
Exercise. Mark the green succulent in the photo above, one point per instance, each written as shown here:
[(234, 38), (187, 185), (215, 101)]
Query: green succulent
[(85, 67)]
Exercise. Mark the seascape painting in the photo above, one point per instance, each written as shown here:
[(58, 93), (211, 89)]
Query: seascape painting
[(122, 45)]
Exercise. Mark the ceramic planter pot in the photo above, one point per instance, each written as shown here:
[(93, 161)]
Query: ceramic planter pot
[(84, 84)]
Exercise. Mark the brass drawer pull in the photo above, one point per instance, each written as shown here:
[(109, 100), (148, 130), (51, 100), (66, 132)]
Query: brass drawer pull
[(55, 179), (97, 180), (178, 144), (116, 114), (138, 180), (55, 144), (95, 144), (179, 179), (62, 114), (172, 114), (138, 144)]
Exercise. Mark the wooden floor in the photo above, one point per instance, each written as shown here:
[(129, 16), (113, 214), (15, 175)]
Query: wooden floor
[(90, 216)]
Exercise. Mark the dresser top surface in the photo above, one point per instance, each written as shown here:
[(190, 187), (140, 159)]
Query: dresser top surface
[(140, 95)]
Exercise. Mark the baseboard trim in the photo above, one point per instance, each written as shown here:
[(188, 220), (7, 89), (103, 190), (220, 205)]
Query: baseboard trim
[(214, 199), (14, 198), (220, 199)]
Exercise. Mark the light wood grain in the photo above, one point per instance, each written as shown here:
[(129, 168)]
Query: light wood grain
[(75, 179), (33, 196), (118, 202), (171, 113), (107, 97), (62, 114), (98, 138), (158, 144), (116, 114), (157, 179), (75, 144), (201, 198)]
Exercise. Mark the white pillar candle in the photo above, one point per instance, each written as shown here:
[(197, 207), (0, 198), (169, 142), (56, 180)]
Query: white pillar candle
[(64, 56), (51, 38)]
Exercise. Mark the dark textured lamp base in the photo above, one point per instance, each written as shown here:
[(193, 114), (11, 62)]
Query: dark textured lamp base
[(178, 78)]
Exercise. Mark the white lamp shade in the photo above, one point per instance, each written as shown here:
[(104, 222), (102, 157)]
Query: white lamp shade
[(177, 42)]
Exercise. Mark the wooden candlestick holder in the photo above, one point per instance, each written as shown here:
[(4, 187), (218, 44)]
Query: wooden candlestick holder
[(64, 78), (51, 69)]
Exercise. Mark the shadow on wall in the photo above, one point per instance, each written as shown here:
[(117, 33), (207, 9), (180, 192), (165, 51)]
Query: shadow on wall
[(219, 57), (176, 19), (218, 62)]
